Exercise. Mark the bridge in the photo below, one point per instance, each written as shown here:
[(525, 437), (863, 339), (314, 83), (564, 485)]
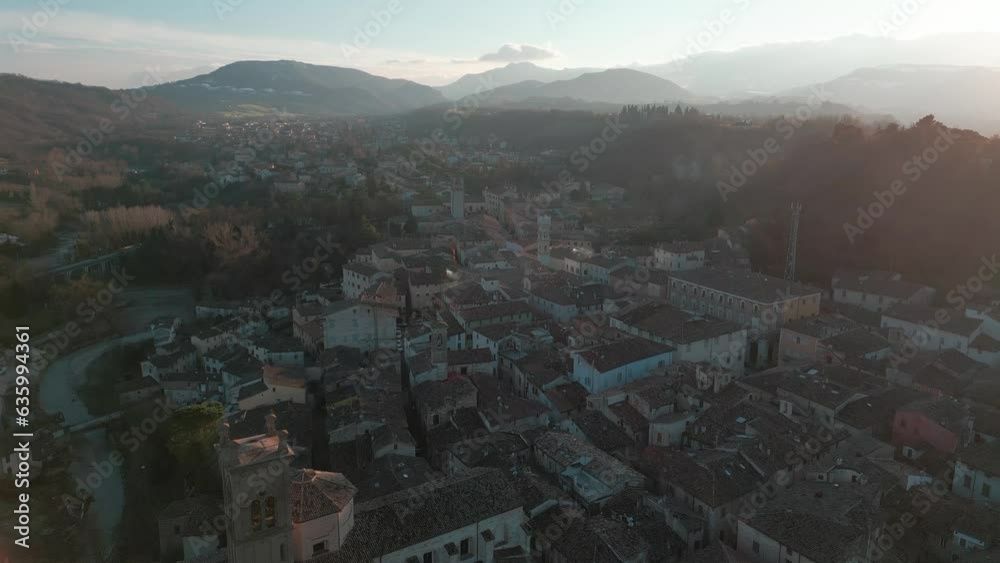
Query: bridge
[(100, 266), (89, 425)]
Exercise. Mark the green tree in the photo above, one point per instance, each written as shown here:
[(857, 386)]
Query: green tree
[(191, 435)]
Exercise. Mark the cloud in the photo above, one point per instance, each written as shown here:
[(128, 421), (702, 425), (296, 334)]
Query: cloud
[(113, 51), (511, 53)]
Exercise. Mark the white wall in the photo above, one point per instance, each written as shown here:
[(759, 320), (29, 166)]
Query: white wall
[(596, 382), (506, 529), (974, 490)]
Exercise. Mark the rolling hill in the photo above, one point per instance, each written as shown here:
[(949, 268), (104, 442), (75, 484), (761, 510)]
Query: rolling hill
[(36, 113), (507, 75), (615, 86), (253, 87)]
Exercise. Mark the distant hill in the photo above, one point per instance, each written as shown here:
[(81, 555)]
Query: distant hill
[(507, 75), (256, 87), (777, 67), (43, 112), (964, 96), (615, 86)]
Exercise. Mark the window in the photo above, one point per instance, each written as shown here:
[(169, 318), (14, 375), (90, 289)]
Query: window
[(986, 489), (319, 547), (255, 516), (968, 482), (269, 512), (756, 546), (429, 557), (464, 547)]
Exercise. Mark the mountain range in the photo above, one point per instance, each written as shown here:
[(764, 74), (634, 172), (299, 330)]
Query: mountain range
[(858, 75), (258, 87), (776, 67), (615, 86), (961, 96), (513, 73)]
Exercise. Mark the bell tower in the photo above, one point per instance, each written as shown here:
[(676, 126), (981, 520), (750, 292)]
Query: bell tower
[(256, 476), (458, 199), (544, 239)]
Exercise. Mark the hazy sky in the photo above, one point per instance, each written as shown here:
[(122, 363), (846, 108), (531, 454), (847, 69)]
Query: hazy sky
[(112, 42)]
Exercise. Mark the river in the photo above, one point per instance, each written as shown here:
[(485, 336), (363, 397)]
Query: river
[(58, 394)]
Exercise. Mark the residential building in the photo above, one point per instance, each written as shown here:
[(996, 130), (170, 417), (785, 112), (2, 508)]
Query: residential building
[(364, 326), (679, 256), (977, 473), (592, 475), (878, 291), (612, 365), (756, 300), (695, 338)]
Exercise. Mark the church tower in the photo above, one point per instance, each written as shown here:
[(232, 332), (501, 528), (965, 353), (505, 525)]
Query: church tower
[(544, 239), (256, 477), (458, 199)]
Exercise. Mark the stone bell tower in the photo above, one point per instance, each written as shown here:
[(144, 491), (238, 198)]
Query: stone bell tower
[(458, 199), (544, 239), (256, 477)]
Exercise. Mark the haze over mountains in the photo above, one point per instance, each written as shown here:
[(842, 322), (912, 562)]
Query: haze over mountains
[(513, 73), (615, 86), (962, 96), (859, 75), (774, 68)]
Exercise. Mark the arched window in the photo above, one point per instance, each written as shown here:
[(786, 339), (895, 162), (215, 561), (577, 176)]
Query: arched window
[(269, 511), (255, 521)]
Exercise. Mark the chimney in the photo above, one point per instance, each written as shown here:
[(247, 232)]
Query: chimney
[(271, 424)]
